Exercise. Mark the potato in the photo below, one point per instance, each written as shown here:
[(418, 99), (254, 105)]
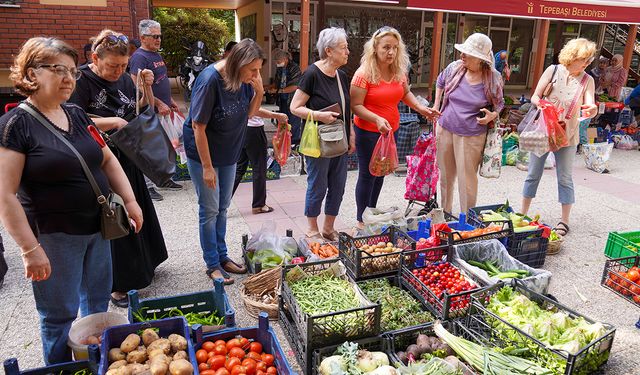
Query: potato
[(163, 344), (92, 340), (118, 364), (181, 355), (389, 244), (137, 368), (124, 370), (116, 354), (181, 367), (137, 356), (149, 336), (178, 342), (130, 343), (155, 352), (159, 365)]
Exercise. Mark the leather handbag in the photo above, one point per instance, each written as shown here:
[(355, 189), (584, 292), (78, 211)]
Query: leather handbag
[(333, 139), (114, 219), (144, 141)]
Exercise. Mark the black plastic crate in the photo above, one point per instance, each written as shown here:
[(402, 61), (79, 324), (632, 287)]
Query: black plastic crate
[(474, 218), (481, 323), (258, 266), (612, 278), (68, 368), (456, 238), (334, 327), (361, 265), (200, 302), (372, 344), (302, 350), (530, 251)]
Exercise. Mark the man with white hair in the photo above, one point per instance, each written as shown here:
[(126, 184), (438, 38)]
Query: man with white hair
[(147, 57)]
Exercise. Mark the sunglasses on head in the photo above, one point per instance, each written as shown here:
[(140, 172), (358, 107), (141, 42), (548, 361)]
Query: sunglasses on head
[(112, 40), (383, 29), (154, 36)]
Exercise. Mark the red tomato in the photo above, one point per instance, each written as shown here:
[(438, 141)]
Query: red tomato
[(636, 299), (244, 342), (255, 347), (261, 367), (633, 275), (239, 370), (208, 372), (261, 373), (250, 365), (208, 346), (233, 343), (220, 342), (202, 356), (220, 349), (272, 371), (222, 371), (237, 352), (217, 361), (267, 359), (202, 367), (255, 356), (231, 362)]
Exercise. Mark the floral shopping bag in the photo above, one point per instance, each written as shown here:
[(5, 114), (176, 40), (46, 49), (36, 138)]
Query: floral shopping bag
[(492, 154), (422, 170)]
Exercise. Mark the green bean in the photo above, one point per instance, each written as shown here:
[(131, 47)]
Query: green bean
[(323, 294)]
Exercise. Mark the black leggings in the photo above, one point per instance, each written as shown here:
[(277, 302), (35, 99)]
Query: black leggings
[(254, 152)]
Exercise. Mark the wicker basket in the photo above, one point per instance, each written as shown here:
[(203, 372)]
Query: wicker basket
[(554, 247), (262, 291)]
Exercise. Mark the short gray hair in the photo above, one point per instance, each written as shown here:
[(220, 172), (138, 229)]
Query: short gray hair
[(145, 26), (279, 54), (329, 38)]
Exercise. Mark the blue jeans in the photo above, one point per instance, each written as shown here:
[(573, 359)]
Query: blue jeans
[(325, 176), (81, 277), (564, 168), (368, 186), (213, 205)]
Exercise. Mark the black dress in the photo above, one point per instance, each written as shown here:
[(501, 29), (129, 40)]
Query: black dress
[(136, 256)]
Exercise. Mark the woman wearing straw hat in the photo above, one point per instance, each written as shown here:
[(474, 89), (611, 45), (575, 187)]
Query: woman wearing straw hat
[(469, 96)]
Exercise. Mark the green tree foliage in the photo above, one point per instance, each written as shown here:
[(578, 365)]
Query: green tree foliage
[(182, 27), (226, 15)]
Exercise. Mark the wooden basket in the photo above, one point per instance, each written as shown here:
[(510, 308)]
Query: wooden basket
[(554, 247), (261, 287)]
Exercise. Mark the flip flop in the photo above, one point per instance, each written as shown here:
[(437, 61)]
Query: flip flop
[(228, 280), (314, 235), (333, 236), (561, 229), (262, 210)]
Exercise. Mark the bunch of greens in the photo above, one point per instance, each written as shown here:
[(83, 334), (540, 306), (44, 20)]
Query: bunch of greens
[(204, 318), (320, 294), (399, 308)]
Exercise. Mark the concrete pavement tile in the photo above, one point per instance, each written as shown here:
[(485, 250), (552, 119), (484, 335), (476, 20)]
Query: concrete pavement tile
[(293, 209), (284, 184), (297, 195), (276, 214)]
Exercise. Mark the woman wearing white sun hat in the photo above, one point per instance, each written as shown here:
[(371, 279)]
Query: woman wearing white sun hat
[(469, 96)]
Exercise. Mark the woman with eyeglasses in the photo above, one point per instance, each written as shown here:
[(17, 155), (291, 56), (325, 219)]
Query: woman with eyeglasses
[(573, 92), (108, 94), (46, 201), (376, 89)]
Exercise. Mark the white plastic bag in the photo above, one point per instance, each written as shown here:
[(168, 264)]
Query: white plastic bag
[(270, 249), (550, 163), (177, 118), (596, 156), (292, 167), (169, 129), (534, 137), (627, 143), (377, 219), (492, 154)]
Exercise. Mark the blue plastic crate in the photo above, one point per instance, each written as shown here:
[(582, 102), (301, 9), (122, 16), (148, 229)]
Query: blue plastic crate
[(113, 337), (68, 368), (206, 301), (262, 334), (424, 227)]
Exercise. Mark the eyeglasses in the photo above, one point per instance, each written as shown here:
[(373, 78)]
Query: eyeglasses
[(112, 40), (62, 70), (383, 29), (154, 36)]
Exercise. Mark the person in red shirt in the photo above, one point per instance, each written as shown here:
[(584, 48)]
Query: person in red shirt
[(379, 84)]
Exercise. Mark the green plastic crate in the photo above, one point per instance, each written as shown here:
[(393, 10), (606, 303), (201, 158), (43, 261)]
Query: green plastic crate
[(622, 244)]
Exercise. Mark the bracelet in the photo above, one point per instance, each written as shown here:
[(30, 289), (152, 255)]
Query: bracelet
[(32, 250)]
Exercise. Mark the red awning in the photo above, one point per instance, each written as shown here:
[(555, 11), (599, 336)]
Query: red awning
[(602, 11)]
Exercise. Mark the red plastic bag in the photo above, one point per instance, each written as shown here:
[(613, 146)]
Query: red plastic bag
[(555, 127), (282, 143), (384, 160)]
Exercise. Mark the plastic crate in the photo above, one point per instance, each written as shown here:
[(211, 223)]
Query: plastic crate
[(372, 344), (441, 307), (395, 281), (622, 244), (474, 218), (362, 266), (258, 266), (455, 237), (261, 333), (273, 173), (456, 223), (68, 368), (481, 321), (612, 278), (206, 301), (530, 251), (334, 327), (352, 162), (112, 337)]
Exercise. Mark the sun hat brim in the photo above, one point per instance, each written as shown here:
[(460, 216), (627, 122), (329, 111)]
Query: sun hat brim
[(471, 52)]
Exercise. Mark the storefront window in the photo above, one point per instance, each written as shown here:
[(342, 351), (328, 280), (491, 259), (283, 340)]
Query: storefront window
[(475, 24), (590, 31), (500, 22), (520, 47), (451, 30)]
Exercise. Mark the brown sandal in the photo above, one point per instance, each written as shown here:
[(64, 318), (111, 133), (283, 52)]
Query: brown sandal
[(262, 210), (333, 236)]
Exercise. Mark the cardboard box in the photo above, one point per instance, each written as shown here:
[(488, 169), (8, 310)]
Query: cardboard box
[(592, 134)]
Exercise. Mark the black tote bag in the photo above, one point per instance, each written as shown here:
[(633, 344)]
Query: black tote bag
[(144, 141)]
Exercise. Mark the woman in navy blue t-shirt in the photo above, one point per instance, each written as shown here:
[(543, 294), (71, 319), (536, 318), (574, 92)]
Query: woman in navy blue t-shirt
[(223, 98)]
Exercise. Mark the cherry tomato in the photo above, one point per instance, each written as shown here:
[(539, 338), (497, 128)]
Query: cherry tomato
[(220, 342), (239, 370), (255, 347), (255, 356), (272, 371), (220, 349), (222, 371), (202, 356), (208, 372), (208, 346), (268, 359), (217, 361), (202, 367), (261, 367), (232, 361), (236, 352), (233, 343), (250, 365)]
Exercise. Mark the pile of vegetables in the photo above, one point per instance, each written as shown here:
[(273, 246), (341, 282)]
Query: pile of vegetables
[(521, 223), (493, 270), (237, 355), (399, 308), (148, 353), (379, 263), (206, 319), (626, 283), (269, 257), (429, 355), (324, 293), (556, 330), (440, 278), (324, 251), (349, 360), (465, 234)]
